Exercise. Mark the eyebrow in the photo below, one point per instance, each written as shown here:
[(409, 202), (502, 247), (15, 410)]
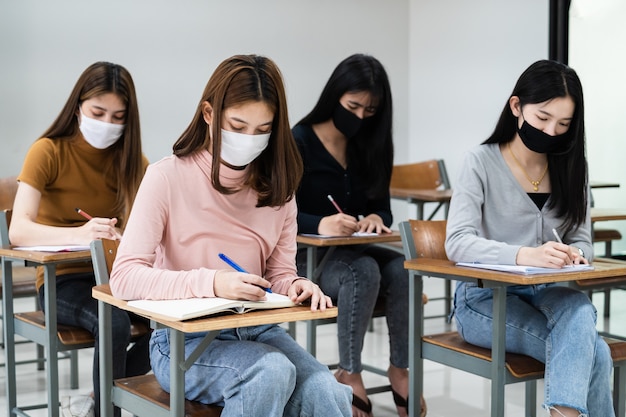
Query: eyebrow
[(551, 115), (104, 109), (236, 119)]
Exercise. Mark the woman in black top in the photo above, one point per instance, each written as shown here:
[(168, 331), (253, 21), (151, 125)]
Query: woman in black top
[(347, 148)]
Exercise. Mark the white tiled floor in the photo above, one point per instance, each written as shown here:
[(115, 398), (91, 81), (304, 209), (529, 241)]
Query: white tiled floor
[(448, 392)]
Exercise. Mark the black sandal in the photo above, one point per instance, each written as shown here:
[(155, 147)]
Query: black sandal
[(362, 405), (400, 401)]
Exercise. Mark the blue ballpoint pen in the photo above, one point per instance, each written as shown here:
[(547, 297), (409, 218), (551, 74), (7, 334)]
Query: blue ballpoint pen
[(237, 267)]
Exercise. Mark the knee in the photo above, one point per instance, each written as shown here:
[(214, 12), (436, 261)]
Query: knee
[(276, 371), (603, 358)]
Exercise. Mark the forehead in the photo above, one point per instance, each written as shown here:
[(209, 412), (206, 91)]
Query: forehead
[(107, 101), (250, 112), (364, 98), (559, 107)]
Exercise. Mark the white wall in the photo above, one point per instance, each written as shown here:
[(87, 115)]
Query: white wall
[(172, 47), (596, 52), (452, 63)]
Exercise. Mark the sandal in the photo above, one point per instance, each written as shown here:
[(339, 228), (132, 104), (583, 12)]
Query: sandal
[(404, 403), (359, 403)]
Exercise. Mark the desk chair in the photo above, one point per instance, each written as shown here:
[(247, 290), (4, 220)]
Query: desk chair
[(423, 238), (427, 175), (23, 278), (144, 390), (33, 326), (427, 239)]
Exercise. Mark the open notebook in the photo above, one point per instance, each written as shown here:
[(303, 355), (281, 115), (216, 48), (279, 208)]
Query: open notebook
[(53, 248), (527, 270), (190, 308)]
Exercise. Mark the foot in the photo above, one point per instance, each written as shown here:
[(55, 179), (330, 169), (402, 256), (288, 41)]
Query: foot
[(361, 406), (77, 406), (399, 380)]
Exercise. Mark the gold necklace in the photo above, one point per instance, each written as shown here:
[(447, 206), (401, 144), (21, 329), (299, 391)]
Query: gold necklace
[(534, 183)]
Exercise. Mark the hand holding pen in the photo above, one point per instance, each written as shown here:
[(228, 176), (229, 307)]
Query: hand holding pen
[(339, 224), (238, 268), (100, 228)]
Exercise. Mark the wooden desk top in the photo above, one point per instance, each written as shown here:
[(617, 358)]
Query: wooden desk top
[(225, 321), (421, 194), (348, 240), (602, 214), (45, 257), (446, 268)]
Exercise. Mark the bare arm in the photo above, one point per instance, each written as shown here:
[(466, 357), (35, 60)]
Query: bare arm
[(25, 231)]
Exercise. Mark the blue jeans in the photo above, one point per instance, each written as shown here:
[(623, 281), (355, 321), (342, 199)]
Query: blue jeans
[(555, 325), (76, 307), (354, 277), (255, 371)]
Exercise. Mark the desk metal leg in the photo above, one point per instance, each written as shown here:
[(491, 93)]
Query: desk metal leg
[(9, 334), (416, 330), (311, 328), (177, 373), (498, 351), (50, 290), (106, 358)]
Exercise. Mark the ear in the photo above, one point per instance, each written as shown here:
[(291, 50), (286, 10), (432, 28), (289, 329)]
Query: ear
[(207, 112), (515, 106)]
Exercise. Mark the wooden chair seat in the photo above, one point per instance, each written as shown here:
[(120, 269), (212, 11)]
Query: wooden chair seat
[(148, 388), (606, 235), (23, 282), (520, 366), (70, 336)]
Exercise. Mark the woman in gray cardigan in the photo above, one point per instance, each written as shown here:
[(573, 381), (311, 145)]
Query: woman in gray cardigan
[(528, 178)]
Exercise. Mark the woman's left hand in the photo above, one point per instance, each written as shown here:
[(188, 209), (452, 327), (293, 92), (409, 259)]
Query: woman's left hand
[(372, 224), (303, 289)]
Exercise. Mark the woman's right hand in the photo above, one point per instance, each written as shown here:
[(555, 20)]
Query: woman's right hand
[(549, 255), (239, 285), (99, 228), (338, 225)]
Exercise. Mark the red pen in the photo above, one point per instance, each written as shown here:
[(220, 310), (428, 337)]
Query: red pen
[(82, 213), (332, 200)]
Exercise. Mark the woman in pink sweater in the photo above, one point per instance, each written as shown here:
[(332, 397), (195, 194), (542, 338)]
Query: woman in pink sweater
[(229, 188)]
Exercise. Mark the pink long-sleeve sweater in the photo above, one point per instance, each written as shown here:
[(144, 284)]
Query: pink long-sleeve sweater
[(179, 223)]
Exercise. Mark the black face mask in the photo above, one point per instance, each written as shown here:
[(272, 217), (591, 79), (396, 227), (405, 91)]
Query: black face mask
[(541, 142), (346, 122)]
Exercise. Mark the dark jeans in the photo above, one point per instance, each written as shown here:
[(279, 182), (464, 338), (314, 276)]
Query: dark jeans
[(354, 277), (76, 307)]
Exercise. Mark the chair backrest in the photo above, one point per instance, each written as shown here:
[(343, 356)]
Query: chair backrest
[(424, 239), (8, 189), (427, 175), (5, 221), (103, 253)]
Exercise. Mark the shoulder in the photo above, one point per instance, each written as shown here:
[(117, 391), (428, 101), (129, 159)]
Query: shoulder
[(302, 133)]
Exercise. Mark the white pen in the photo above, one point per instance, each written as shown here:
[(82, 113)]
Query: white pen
[(556, 235)]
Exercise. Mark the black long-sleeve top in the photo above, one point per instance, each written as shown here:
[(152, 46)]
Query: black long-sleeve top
[(323, 175)]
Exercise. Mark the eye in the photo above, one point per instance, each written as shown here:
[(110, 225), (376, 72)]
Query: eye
[(543, 119)]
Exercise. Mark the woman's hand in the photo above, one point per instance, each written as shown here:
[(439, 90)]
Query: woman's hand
[(98, 228), (338, 225), (373, 224), (303, 289), (239, 285), (550, 255)]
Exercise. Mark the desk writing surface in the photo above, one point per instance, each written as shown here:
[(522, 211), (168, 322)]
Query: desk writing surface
[(446, 268), (603, 184), (421, 194), (348, 240), (45, 257), (607, 214), (226, 321)]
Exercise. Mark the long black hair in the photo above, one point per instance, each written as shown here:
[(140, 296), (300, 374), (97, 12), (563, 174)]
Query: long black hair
[(543, 81), (370, 152)]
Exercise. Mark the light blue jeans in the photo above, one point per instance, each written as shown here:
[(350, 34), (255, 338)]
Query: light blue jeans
[(555, 325), (255, 371)]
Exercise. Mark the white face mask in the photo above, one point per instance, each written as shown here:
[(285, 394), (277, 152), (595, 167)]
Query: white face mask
[(239, 149), (99, 134)]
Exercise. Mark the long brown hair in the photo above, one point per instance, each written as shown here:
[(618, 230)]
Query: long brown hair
[(276, 173), (101, 78)]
